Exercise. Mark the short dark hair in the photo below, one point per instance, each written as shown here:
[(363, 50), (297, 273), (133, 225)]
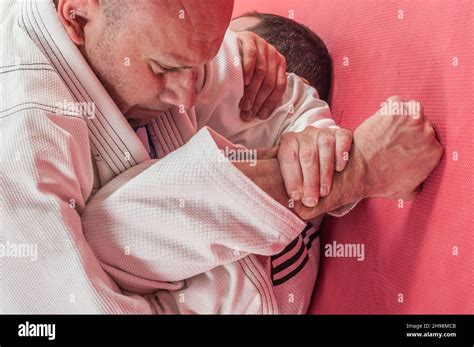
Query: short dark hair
[(306, 54)]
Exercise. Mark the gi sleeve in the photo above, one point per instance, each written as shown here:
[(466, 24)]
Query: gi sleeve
[(185, 214), (220, 89)]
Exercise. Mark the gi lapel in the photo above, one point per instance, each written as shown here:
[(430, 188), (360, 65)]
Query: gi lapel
[(114, 145)]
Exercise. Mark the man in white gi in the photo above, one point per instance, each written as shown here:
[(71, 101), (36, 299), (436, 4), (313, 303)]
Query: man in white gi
[(186, 233)]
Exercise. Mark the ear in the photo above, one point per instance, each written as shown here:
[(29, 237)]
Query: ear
[(74, 15)]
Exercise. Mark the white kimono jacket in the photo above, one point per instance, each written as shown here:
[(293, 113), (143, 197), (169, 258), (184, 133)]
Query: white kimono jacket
[(188, 233)]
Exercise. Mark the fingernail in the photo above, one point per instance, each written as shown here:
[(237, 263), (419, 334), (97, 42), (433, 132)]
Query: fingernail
[(324, 190), (309, 202), (246, 80), (263, 113), (296, 195), (246, 105)]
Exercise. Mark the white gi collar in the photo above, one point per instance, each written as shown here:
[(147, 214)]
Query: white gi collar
[(112, 138)]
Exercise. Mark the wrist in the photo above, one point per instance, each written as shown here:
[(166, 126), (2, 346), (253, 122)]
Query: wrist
[(359, 174), (266, 175)]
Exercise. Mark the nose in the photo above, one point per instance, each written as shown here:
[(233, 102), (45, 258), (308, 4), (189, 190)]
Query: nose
[(179, 88)]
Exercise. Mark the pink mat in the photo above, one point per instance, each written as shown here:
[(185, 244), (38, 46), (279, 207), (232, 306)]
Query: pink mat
[(418, 259)]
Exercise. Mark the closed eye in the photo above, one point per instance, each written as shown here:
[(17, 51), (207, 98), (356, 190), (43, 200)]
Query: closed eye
[(157, 69), (168, 69), (160, 69)]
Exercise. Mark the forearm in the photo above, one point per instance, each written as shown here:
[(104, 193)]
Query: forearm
[(348, 185)]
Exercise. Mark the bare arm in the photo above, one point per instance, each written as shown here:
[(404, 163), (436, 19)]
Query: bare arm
[(390, 156), (348, 186)]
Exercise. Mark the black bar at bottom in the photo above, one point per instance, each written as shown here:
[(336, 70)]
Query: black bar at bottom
[(315, 330)]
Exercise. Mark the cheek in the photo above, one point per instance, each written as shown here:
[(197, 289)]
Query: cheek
[(138, 84)]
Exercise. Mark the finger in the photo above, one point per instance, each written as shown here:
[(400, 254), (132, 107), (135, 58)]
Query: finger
[(343, 147), (277, 93), (428, 123), (267, 86), (386, 105), (290, 167), (326, 149), (394, 98), (249, 52), (251, 91), (415, 109), (308, 156)]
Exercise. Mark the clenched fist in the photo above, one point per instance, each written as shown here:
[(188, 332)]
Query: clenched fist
[(392, 153), (399, 149)]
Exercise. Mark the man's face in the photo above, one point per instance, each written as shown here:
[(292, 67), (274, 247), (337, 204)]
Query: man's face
[(147, 58)]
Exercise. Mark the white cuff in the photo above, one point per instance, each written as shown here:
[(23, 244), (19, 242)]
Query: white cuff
[(272, 215)]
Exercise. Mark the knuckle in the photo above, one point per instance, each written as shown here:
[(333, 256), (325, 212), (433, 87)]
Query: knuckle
[(288, 136), (257, 38), (430, 132), (307, 139), (311, 131), (306, 155), (291, 141), (344, 133), (248, 35), (327, 141), (252, 52), (287, 154), (394, 98), (261, 64), (253, 35), (261, 70), (428, 122)]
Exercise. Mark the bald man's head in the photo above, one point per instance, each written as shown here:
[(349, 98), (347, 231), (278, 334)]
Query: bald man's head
[(145, 52)]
